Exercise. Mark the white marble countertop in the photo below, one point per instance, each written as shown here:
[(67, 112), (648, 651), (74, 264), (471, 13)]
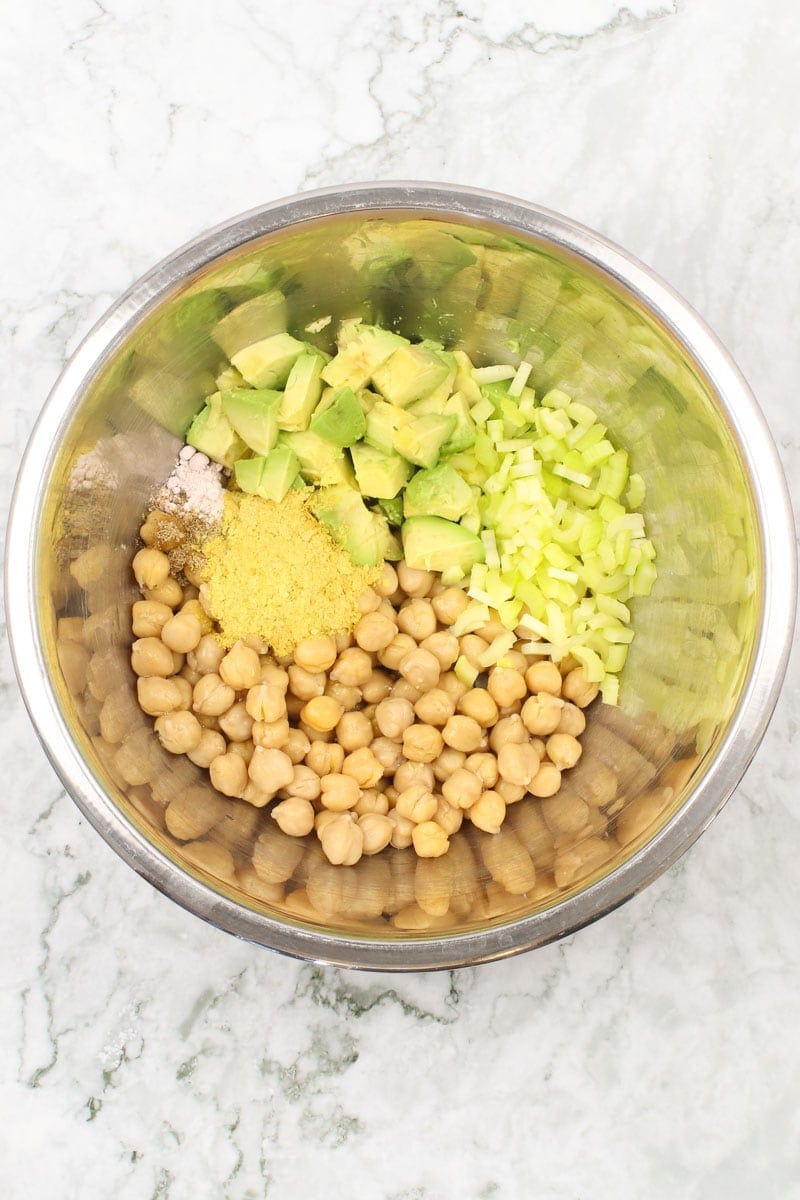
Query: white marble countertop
[(657, 1054)]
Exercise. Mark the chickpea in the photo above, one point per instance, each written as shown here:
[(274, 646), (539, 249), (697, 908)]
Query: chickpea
[(447, 762), (417, 803), (462, 733), (369, 601), (211, 696), (149, 656), (413, 581), (489, 812), (408, 773), (403, 690), (294, 817), (325, 759), (377, 687), (182, 633), (517, 763), (148, 618), (402, 829), (322, 713), (388, 754), (339, 792), (372, 801), (546, 781), (511, 792), (169, 592), (270, 769), (393, 716), (541, 713), (396, 651), (443, 646), (274, 675), (434, 707), (305, 784), (484, 766), (315, 653), (178, 732), (387, 584), (374, 632), (256, 796), (450, 604), (210, 746), (150, 567), (473, 649), (572, 720), (265, 702), (563, 750), (449, 816), (354, 731), (206, 656), (543, 676), (236, 723), (190, 675), (245, 750), (462, 789), (376, 830), (229, 774), (364, 767), (348, 697), (508, 729), (352, 668), (305, 685), (506, 686), (342, 840), (577, 688), (297, 745), (241, 667), (272, 735), (417, 619), (450, 683), (430, 840), (478, 704), (421, 669), (422, 743), (157, 695)]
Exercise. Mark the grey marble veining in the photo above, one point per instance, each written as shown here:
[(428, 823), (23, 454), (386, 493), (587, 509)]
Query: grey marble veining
[(144, 1055)]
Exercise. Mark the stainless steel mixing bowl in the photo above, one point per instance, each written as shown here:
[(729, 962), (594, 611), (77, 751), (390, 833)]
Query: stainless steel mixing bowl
[(503, 279)]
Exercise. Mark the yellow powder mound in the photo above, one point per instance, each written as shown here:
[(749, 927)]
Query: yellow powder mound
[(275, 573)]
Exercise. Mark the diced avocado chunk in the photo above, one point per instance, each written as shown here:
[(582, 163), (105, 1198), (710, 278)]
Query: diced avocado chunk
[(383, 421), (254, 416), (270, 477), (409, 374), (302, 392), (422, 439), (463, 436), (251, 322), (365, 535), (266, 364), (212, 433), (378, 474), (362, 349), (392, 510), (339, 418), (320, 462), (438, 492), (434, 544), (228, 379)]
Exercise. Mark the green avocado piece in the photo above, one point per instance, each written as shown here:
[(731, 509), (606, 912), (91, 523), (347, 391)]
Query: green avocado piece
[(362, 349), (339, 418), (302, 392), (422, 439), (270, 477), (383, 422), (438, 492), (212, 433), (320, 462), (365, 535), (254, 416), (463, 436), (378, 474), (434, 544), (251, 322), (409, 374), (392, 510), (267, 363), (228, 379)]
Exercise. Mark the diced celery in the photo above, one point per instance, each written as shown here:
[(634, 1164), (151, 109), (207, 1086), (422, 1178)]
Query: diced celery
[(635, 495), (556, 399), (464, 671)]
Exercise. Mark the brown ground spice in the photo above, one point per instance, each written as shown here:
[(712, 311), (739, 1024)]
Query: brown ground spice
[(275, 573)]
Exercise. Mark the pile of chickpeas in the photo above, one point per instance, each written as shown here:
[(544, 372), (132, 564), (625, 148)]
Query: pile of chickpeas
[(367, 739)]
